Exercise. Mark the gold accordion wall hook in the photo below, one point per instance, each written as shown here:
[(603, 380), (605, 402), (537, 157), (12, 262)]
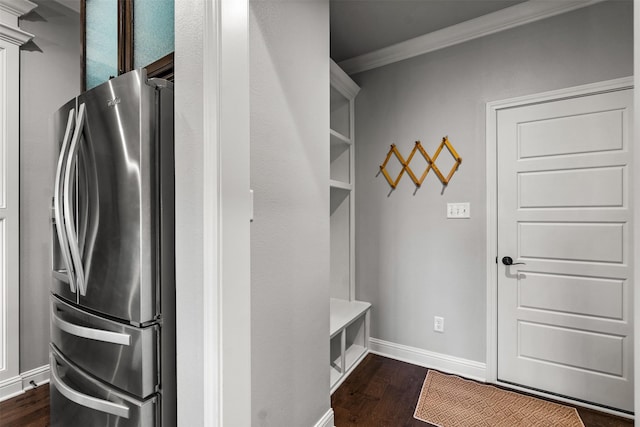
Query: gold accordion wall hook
[(431, 163), (393, 151)]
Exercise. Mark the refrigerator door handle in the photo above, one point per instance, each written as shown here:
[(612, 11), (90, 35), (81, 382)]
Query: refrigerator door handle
[(83, 399), (90, 333), (68, 208), (57, 204)]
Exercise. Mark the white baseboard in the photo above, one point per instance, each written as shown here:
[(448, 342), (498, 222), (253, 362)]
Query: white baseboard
[(17, 385), (10, 388), (38, 375), (441, 362), (326, 420)]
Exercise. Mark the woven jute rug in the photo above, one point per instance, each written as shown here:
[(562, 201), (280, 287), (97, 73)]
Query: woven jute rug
[(450, 401)]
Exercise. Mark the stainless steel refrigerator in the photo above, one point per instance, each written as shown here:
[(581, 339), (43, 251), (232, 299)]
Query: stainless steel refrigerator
[(112, 350)]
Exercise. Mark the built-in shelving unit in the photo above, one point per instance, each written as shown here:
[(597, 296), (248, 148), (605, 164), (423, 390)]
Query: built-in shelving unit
[(349, 320)]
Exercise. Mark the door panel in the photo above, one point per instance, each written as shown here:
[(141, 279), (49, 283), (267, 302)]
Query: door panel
[(565, 315), (585, 296), (583, 131), (556, 189), (577, 241), (121, 355), (79, 400), (572, 348), (118, 192)]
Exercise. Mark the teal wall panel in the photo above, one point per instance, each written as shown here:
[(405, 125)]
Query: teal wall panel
[(101, 41)]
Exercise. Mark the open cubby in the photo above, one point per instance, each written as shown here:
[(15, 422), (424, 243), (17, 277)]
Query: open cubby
[(349, 335)]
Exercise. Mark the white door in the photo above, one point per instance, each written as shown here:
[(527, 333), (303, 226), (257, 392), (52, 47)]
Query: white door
[(565, 316)]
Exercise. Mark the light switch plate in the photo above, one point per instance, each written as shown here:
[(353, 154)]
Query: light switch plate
[(458, 210)]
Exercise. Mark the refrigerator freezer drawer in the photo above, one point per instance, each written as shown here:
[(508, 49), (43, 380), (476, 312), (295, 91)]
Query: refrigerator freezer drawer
[(122, 355), (80, 400)]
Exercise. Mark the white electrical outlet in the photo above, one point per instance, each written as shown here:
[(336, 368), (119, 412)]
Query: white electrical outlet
[(438, 324), (458, 210)]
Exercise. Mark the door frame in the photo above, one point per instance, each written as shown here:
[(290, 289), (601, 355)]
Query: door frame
[(213, 305), (492, 109)]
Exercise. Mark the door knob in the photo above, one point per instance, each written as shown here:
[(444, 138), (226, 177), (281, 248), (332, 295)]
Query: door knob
[(507, 260)]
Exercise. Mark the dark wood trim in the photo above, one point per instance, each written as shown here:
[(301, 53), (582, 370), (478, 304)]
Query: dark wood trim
[(121, 37), (126, 47), (83, 45), (162, 68)]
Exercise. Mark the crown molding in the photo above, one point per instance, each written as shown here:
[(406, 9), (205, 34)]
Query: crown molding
[(17, 7), (341, 81), (510, 17), (14, 35), (10, 11)]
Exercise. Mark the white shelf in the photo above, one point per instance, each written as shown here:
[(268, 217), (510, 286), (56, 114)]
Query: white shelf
[(343, 313), (339, 185), (349, 319), (337, 139)]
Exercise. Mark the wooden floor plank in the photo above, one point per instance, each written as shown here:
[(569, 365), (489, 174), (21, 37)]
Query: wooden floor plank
[(383, 392), (30, 409)]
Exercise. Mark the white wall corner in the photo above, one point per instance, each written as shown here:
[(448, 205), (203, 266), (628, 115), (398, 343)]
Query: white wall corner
[(326, 420), (442, 362), (38, 375)]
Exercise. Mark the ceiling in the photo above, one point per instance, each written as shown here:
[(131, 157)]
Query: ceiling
[(363, 26), (71, 4)]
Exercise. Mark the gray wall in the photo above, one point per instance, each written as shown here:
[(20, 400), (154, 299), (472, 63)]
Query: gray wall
[(411, 262), (49, 76), (289, 81)]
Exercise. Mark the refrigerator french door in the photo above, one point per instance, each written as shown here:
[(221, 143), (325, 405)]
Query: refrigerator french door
[(113, 287)]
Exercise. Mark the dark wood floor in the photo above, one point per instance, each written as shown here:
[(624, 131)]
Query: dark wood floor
[(27, 410), (380, 392), (383, 392)]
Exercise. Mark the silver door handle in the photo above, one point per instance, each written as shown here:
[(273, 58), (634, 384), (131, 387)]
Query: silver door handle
[(83, 399), (90, 333), (68, 211), (57, 205)]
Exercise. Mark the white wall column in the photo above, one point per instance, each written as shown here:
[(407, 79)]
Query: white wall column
[(636, 197), (212, 213), (11, 38)]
